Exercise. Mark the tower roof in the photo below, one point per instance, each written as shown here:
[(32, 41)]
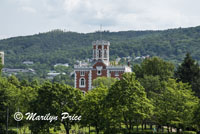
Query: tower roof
[(101, 42)]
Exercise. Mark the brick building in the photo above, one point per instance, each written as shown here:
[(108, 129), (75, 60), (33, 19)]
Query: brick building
[(84, 75)]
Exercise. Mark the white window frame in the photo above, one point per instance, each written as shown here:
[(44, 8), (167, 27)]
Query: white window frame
[(80, 80), (105, 53), (116, 73), (100, 53), (99, 68), (82, 73), (98, 72)]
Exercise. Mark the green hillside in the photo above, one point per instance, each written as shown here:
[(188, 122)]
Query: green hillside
[(47, 49)]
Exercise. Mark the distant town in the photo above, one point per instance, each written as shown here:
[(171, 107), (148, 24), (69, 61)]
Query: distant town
[(52, 73)]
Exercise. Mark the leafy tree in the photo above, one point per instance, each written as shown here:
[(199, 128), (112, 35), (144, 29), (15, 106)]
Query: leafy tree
[(151, 84), (3, 99), (189, 71), (35, 83), (64, 79), (174, 105), (25, 95), (106, 81), (128, 102), (55, 98), (9, 96), (13, 80), (196, 118), (155, 67), (25, 83), (92, 108)]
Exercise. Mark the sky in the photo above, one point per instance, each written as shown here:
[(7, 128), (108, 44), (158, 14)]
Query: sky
[(27, 17)]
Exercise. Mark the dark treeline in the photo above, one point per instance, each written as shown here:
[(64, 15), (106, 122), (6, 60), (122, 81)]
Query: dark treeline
[(155, 98), (47, 49)]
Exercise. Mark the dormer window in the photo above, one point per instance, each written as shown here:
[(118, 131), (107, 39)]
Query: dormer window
[(98, 72)]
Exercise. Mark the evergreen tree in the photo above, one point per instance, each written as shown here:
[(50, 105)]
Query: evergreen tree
[(189, 71)]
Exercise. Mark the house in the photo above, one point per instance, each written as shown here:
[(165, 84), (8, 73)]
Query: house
[(60, 64), (15, 71), (28, 62), (53, 74), (100, 67)]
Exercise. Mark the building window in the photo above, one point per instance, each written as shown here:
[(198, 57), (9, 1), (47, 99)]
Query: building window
[(100, 53), (82, 73), (99, 68), (105, 53), (98, 72), (94, 51), (116, 73), (82, 82)]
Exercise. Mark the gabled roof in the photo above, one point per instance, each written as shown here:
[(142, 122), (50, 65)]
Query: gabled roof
[(99, 63)]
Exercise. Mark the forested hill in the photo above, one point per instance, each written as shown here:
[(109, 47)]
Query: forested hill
[(66, 47)]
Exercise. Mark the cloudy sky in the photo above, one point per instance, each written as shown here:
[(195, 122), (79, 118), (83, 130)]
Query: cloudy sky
[(26, 17)]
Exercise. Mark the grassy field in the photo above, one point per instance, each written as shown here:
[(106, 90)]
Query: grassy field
[(77, 130)]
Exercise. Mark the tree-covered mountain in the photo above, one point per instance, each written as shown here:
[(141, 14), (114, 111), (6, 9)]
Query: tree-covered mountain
[(57, 46)]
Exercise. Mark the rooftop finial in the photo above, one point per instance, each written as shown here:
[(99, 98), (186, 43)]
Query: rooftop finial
[(101, 32)]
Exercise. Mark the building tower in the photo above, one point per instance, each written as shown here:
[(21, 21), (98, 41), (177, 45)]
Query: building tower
[(100, 67), (101, 51)]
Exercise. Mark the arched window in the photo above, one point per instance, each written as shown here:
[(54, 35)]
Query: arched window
[(82, 82)]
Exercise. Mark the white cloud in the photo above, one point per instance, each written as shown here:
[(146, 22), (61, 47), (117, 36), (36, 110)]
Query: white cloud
[(88, 15), (3, 37), (28, 9), (70, 5)]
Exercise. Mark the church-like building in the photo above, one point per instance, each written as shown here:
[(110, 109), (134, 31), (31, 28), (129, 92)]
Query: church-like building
[(84, 75)]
